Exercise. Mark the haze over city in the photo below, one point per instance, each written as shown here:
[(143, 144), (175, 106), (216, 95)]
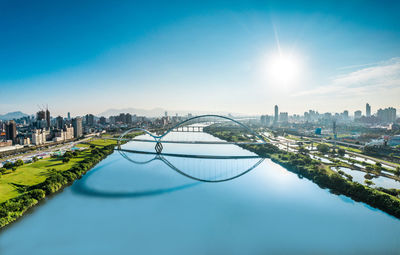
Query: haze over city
[(199, 57)]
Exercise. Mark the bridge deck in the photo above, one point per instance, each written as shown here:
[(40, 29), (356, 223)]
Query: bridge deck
[(187, 155), (188, 142)]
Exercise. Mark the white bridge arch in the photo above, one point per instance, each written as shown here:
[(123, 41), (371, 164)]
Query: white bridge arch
[(158, 138)]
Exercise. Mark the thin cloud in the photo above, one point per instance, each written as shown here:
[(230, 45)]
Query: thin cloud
[(378, 78), (357, 66)]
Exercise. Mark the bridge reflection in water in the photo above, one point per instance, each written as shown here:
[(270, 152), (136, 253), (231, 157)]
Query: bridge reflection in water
[(222, 169), (184, 143), (225, 168)]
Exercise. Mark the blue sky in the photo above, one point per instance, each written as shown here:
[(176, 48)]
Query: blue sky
[(88, 56)]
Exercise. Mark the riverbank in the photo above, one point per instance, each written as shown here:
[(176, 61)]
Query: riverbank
[(25, 186), (317, 172)]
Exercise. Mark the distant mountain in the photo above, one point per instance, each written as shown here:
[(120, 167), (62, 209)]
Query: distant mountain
[(157, 112), (140, 112), (13, 115)]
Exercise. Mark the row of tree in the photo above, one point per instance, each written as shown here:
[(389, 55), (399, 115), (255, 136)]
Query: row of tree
[(14, 208), (312, 169)]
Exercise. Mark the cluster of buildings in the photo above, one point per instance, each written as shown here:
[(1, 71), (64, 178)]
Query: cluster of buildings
[(43, 128), (126, 120), (382, 127), (382, 116), (39, 129)]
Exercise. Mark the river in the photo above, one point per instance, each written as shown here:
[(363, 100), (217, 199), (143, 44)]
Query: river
[(122, 207)]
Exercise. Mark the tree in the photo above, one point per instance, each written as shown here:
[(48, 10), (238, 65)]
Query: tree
[(303, 150), (378, 169), (323, 148), (68, 154), (2, 170), (397, 172), (369, 183), (8, 165), (19, 162), (341, 152), (368, 177), (65, 160), (378, 164), (34, 159)]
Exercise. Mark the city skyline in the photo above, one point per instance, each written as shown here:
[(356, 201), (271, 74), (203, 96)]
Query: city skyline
[(211, 55), (158, 112)]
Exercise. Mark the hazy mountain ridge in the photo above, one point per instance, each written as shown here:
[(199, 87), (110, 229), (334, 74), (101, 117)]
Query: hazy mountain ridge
[(13, 115), (157, 112)]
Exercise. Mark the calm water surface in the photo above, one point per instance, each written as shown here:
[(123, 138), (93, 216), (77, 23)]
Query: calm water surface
[(121, 207)]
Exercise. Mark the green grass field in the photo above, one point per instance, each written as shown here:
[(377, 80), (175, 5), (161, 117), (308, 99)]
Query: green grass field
[(37, 172), (103, 142)]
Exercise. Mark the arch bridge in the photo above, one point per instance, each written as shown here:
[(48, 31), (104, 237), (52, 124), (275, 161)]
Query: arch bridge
[(193, 124)]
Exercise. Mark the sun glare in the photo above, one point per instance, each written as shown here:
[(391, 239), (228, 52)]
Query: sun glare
[(283, 69)]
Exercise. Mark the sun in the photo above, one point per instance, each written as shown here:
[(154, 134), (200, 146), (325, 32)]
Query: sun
[(283, 69)]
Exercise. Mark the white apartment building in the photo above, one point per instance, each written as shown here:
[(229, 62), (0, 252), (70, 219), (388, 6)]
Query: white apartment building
[(38, 137)]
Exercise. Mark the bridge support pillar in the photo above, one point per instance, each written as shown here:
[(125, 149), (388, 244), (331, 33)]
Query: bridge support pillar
[(158, 147)]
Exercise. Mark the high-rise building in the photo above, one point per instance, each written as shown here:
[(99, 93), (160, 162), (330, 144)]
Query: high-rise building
[(103, 120), (128, 118), (38, 137), (387, 114), (265, 120), (11, 131), (48, 117), (357, 114), (284, 117), (90, 120), (41, 115), (77, 124), (276, 114), (69, 116), (59, 122), (344, 116), (166, 114), (367, 110)]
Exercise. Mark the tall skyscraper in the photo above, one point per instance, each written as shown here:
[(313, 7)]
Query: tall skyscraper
[(11, 131), (41, 115), (77, 124), (69, 116), (368, 110), (60, 122), (48, 118), (90, 120), (276, 114)]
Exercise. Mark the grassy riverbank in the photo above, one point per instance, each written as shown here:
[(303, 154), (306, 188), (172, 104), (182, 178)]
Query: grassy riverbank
[(24, 186), (319, 173)]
